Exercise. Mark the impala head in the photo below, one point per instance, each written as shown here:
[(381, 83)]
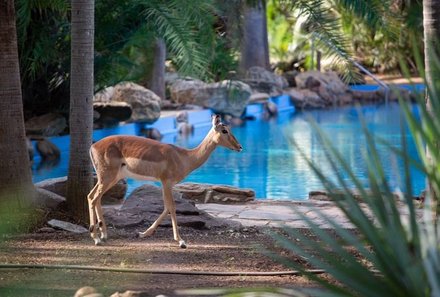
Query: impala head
[(223, 135)]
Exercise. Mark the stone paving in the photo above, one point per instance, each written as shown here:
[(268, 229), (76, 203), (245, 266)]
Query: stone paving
[(283, 213)]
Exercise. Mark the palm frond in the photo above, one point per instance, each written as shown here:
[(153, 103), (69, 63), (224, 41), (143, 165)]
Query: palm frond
[(179, 25), (325, 29)]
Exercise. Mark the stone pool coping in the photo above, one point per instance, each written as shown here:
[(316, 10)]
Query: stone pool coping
[(274, 213)]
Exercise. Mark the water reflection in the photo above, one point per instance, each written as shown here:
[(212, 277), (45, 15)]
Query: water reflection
[(269, 164)]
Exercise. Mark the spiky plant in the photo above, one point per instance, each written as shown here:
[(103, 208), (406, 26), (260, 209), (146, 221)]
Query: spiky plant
[(393, 256)]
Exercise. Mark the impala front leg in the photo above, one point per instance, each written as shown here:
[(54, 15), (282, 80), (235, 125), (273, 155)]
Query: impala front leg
[(171, 206)]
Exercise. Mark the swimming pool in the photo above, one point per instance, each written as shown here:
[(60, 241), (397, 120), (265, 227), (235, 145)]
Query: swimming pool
[(269, 164)]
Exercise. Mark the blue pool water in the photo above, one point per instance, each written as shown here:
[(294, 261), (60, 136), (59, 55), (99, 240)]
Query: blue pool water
[(269, 164)]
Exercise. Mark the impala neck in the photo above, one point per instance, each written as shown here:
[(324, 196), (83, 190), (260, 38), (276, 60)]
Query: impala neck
[(201, 153)]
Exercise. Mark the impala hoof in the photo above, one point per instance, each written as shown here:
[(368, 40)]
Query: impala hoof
[(97, 241), (182, 244)]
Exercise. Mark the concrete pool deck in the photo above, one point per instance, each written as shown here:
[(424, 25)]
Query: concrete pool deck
[(273, 213)]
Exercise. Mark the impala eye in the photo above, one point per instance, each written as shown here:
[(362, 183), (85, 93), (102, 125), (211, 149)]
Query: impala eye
[(225, 131)]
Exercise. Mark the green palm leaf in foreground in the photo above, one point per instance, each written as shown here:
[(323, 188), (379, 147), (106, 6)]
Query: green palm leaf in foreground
[(394, 256)]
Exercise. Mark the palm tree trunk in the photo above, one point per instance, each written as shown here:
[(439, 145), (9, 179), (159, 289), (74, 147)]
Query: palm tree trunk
[(156, 77), (16, 188), (431, 24), (254, 47), (81, 107)]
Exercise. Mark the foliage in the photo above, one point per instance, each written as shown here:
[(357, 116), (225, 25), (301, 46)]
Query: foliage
[(43, 41), (393, 256), (342, 29), (124, 31), (379, 38), (306, 26)]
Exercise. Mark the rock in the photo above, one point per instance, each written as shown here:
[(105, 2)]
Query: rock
[(310, 79), (262, 80), (185, 128), (186, 91), (58, 186), (270, 108), (233, 121), (145, 204), (151, 133), (327, 85), (104, 95), (258, 97), (304, 98), (111, 113), (208, 193), (50, 124), (87, 292), (46, 230), (169, 105), (67, 226), (339, 195), (319, 196), (47, 150), (48, 199), (149, 198), (226, 97), (144, 103), (130, 293), (182, 117), (367, 96)]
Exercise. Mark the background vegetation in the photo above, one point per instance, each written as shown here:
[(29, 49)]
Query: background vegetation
[(203, 40)]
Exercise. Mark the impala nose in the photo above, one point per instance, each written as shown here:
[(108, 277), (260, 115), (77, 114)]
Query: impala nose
[(240, 148)]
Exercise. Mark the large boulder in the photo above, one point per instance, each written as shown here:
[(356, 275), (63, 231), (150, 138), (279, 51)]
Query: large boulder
[(50, 124), (328, 85), (305, 99), (127, 101), (262, 80), (59, 186), (208, 193), (145, 104), (112, 112), (186, 90), (48, 199), (145, 204), (225, 97)]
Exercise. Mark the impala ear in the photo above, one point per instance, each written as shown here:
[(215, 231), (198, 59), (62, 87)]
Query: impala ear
[(216, 120)]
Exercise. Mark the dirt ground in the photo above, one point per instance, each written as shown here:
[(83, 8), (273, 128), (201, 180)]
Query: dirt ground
[(208, 250)]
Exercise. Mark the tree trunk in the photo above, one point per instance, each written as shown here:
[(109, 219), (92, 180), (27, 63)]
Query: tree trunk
[(156, 77), (254, 46), (16, 188), (431, 24), (81, 108)]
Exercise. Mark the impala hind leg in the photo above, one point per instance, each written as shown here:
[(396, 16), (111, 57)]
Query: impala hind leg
[(95, 208), (93, 228), (154, 226)]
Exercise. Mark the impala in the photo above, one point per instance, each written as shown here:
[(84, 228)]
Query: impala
[(117, 157)]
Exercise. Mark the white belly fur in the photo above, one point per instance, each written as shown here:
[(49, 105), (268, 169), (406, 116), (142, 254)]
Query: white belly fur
[(125, 172)]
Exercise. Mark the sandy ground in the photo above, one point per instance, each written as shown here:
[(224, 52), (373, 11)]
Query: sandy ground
[(208, 250)]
